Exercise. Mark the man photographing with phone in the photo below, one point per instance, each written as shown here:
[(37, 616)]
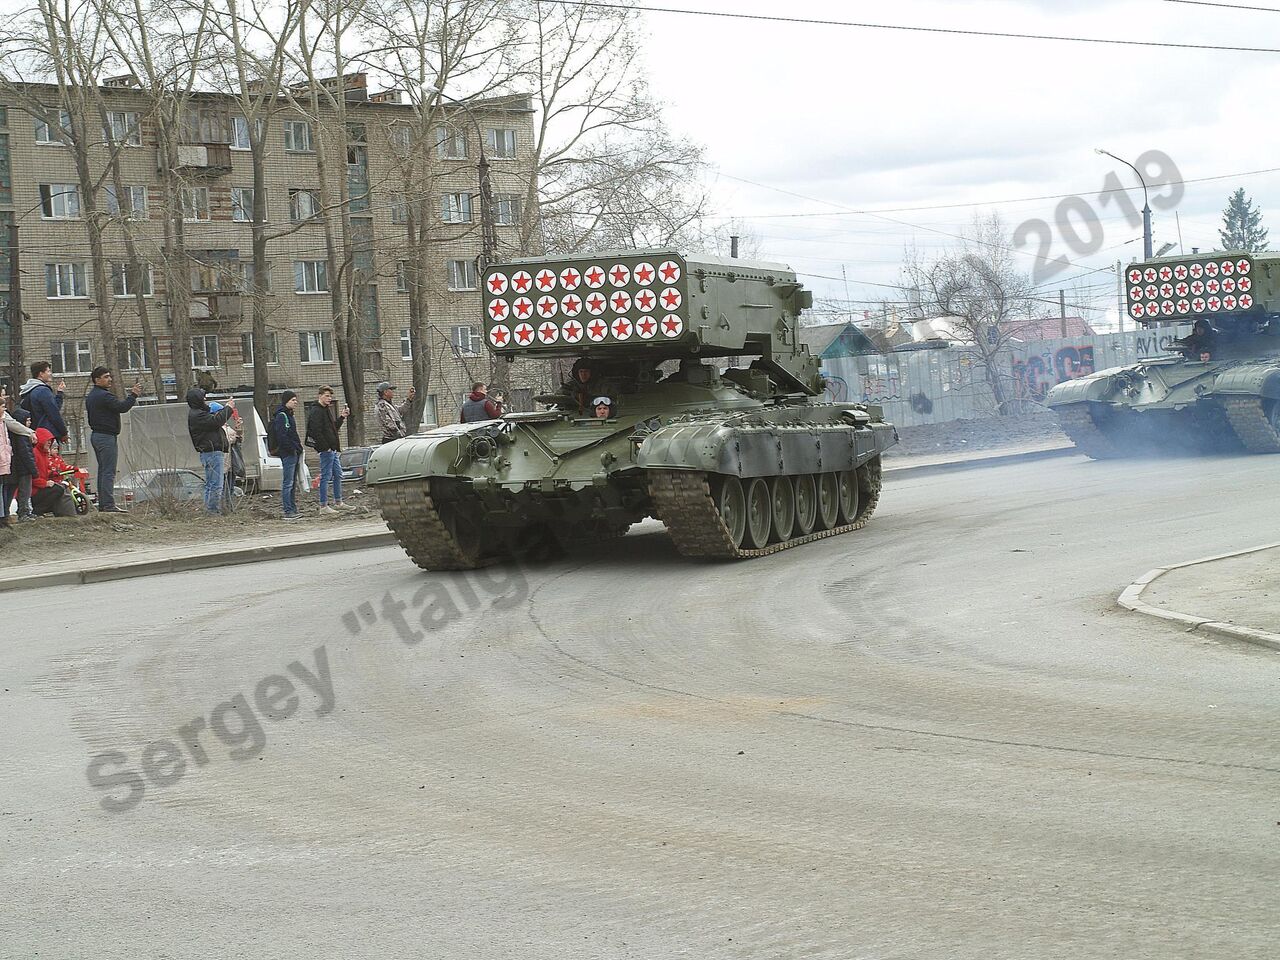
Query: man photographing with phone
[(479, 406), (104, 411)]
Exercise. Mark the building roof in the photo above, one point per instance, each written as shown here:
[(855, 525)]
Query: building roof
[(1050, 328), (829, 340)]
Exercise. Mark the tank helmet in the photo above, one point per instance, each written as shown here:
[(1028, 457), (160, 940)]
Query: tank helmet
[(602, 400)]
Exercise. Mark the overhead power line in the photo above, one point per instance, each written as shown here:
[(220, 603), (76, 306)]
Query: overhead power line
[(947, 31), (1225, 6)]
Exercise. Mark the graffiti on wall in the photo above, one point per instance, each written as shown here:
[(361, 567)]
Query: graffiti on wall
[(1155, 344), (1036, 374)]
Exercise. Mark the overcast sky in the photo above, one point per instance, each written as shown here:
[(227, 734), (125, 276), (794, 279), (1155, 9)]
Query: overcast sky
[(824, 119)]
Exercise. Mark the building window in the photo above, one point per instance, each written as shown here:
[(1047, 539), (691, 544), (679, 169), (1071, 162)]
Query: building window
[(406, 344), (215, 271), (247, 274), (455, 208), (240, 134), (242, 204), (451, 143), (315, 346), (204, 351), (462, 274), (131, 353), (120, 285), (399, 209), (297, 136), (303, 204), (135, 201), (195, 203), (310, 276), (402, 276), (45, 133), (273, 349), (400, 136), (500, 143), (59, 201), (64, 280), (70, 356), (123, 128), (356, 133), (506, 209), (466, 339)]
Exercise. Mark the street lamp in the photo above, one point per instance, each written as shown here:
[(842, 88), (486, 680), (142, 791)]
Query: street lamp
[(1146, 207), (488, 235)]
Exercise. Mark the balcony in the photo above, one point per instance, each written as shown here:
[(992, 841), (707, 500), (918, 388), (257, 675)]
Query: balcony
[(213, 159), (214, 307)]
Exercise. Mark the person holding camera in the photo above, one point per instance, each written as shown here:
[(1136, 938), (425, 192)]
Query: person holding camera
[(104, 411), (479, 407), (210, 440), (324, 439)]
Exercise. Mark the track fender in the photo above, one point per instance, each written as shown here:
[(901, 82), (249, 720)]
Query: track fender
[(1260, 379), (763, 451)]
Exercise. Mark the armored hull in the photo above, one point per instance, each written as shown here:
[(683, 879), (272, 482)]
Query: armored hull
[(737, 463), (1222, 393)]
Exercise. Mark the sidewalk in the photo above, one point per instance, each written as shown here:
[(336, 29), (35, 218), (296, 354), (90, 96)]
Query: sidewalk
[(177, 557), (1234, 595), (903, 464)]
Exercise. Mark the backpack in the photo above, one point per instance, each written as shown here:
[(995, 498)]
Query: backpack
[(273, 445)]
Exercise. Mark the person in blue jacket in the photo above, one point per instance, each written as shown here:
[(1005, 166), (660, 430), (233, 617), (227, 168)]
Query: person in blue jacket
[(284, 431), (38, 398)]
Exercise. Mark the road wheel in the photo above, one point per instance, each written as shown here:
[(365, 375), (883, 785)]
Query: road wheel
[(782, 496), (806, 504), (759, 514), (731, 503), (828, 500), (847, 481), (465, 530)]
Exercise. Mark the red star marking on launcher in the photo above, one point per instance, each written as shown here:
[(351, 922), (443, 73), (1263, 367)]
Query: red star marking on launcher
[(523, 307), (524, 333), (499, 335), (498, 309), (497, 283), (1135, 276), (1149, 274), (1242, 266), (597, 330), (646, 327), (1180, 271), (595, 304), (1182, 289), (546, 280), (571, 305), (1166, 273), (1166, 290), (621, 302), (547, 332), (1136, 310), (1246, 301), (595, 277), (670, 299), (644, 300), (1228, 268), (547, 307), (520, 281), (671, 326), (669, 271), (621, 328), (619, 275), (570, 278), (644, 274), (572, 332)]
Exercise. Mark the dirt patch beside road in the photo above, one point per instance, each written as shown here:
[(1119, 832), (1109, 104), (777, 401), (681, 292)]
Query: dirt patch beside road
[(155, 525)]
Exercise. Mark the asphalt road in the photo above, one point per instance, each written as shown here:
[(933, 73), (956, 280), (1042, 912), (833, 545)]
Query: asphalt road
[(934, 738)]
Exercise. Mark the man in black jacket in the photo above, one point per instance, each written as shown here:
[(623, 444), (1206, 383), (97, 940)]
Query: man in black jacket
[(284, 431), (104, 412), (210, 441), (322, 436)]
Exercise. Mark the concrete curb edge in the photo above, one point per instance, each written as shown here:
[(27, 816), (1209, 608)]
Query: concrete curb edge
[(203, 561), (948, 466), (1131, 599)]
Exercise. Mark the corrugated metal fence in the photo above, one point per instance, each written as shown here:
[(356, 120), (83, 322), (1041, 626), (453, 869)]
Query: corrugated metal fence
[(933, 386)]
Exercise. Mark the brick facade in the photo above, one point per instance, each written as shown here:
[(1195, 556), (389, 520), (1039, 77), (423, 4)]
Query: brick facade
[(70, 320)]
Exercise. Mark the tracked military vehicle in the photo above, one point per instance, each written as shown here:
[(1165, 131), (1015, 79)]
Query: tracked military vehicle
[(737, 462), (1220, 387)]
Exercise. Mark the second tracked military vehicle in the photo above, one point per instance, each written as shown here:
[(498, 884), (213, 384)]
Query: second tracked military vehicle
[(1220, 387), (737, 461)]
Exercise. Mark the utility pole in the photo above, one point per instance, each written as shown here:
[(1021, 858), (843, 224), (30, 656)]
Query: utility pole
[(15, 311), (1146, 205), (733, 246), (1120, 311), (1062, 311)]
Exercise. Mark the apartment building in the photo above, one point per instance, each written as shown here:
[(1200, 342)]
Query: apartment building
[(39, 193)]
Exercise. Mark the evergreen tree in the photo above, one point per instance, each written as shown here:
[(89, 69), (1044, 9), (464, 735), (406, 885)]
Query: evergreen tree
[(1242, 225)]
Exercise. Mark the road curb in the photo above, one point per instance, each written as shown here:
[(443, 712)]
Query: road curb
[(202, 561), (948, 466), (1131, 599)]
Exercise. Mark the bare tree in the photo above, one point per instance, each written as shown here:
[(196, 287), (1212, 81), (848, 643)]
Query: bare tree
[(978, 290), (606, 170)]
